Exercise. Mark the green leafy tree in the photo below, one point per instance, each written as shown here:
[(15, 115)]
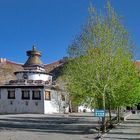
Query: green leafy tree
[(100, 72)]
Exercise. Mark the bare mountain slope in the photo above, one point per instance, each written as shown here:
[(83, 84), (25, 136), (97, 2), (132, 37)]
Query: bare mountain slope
[(7, 70)]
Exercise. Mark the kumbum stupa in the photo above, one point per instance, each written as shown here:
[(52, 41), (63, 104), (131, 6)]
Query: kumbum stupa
[(32, 91)]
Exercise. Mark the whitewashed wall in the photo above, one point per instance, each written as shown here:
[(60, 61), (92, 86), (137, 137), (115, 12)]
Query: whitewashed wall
[(51, 106), (19, 105), (55, 105), (83, 108), (35, 76)]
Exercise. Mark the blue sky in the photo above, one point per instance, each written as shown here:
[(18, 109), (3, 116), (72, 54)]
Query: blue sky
[(51, 25)]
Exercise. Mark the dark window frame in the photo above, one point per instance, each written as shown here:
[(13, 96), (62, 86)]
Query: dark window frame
[(23, 96), (34, 97), (11, 92)]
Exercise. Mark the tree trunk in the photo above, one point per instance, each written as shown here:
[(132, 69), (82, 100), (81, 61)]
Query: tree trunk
[(118, 115), (103, 124), (70, 107), (103, 118), (110, 117)]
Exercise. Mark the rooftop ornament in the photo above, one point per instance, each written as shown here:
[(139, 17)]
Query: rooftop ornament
[(34, 58)]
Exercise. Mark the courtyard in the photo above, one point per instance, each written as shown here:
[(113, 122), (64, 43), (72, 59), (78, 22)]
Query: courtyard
[(75, 126), (47, 127)]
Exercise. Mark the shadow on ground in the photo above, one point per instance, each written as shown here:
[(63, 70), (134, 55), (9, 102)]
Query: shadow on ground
[(68, 125), (111, 138), (128, 130)]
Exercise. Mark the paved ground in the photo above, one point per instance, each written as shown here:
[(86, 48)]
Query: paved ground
[(63, 127), (47, 127), (129, 130)]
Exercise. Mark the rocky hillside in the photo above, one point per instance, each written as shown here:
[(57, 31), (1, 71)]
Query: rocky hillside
[(7, 70)]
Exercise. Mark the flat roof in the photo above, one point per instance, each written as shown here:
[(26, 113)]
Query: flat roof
[(31, 71), (24, 86)]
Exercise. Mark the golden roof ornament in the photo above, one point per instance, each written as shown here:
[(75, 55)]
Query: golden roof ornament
[(34, 58)]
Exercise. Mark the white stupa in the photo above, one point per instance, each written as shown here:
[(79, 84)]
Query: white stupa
[(32, 91)]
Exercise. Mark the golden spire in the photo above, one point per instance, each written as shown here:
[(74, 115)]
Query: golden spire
[(34, 58)]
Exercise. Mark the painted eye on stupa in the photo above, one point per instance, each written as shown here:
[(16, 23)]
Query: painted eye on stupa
[(25, 76)]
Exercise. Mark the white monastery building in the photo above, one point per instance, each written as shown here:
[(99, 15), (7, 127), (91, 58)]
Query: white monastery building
[(32, 91)]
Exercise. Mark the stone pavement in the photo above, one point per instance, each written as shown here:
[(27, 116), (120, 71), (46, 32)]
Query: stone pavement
[(47, 127), (128, 130), (63, 127)]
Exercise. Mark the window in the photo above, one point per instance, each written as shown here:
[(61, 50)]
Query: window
[(36, 95), (25, 94), (11, 94), (47, 95)]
